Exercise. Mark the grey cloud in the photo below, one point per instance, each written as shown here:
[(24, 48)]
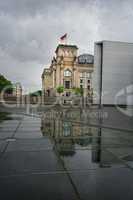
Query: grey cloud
[(33, 7), (32, 38)]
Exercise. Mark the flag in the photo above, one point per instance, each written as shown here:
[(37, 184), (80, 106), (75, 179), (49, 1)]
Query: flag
[(63, 37)]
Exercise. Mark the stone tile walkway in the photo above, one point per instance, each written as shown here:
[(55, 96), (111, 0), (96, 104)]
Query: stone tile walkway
[(37, 166)]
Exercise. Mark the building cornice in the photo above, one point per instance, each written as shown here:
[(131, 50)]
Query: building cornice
[(65, 46)]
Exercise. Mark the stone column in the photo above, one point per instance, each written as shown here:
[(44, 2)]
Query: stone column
[(61, 76), (53, 78), (58, 76)]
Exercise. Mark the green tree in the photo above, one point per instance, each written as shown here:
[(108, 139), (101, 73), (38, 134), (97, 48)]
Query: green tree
[(78, 91), (36, 93), (60, 89), (5, 83)]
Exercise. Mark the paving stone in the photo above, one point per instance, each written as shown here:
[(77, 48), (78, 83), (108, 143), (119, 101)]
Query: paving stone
[(6, 134), (30, 145), (2, 145), (29, 128), (110, 183), (10, 122), (10, 128), (56, 186), (19, 162), (28, 134)]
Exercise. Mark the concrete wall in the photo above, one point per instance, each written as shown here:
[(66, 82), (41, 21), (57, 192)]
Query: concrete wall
[(96, 74), (113, 62)]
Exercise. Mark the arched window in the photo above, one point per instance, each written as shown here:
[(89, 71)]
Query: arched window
[(67, 73)]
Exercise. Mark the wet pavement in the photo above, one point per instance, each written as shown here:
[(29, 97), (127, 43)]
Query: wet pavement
[(61, 154)]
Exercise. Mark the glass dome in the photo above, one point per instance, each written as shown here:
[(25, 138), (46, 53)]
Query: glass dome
[(86, 59)]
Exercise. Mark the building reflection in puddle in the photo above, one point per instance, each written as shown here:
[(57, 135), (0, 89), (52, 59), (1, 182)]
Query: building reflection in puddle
[(69, 135)]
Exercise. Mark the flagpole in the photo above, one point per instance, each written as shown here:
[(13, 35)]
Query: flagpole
[(66, 40)]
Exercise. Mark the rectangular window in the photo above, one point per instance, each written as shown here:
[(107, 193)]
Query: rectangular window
[(81, 80), (67, 84)]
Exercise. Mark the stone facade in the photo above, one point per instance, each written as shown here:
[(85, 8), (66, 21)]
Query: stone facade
[(68, 70)]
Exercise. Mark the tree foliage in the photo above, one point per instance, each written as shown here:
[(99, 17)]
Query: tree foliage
[(36, 93), (60, 89), (5, 83), (78, 91)]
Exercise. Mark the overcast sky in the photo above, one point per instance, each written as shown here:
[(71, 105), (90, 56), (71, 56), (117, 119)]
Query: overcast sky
[(30, 31)]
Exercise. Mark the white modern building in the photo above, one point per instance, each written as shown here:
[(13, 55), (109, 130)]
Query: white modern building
[(113, 73)]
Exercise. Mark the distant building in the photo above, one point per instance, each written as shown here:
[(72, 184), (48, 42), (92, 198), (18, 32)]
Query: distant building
[(17, 90), (69, 70)]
